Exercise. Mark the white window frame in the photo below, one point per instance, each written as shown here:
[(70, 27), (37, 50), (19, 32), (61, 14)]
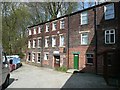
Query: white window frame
[(33, 57), (109, 11), (109, 35), (34, 30), (62, 43), (53, 42), (38, 42), (34, 43), (47, 27), (89, 57), (53, 25), (84, 14), (29, 32), (47, 41), (39, 29), (45, 56), (29, 54), (62, 25), (84, 37), (29, 44), (38, 56)]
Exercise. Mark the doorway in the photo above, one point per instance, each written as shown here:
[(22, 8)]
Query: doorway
[(56, 61), (76, 61)]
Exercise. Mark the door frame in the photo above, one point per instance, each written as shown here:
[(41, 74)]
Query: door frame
[(76, 61)]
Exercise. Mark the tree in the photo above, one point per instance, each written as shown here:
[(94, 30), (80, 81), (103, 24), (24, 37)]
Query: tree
[(15, 18)]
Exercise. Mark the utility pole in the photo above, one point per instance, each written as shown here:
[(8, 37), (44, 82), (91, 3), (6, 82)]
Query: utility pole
[(95, 30)]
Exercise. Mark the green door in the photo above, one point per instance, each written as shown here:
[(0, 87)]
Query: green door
[(76, 61)]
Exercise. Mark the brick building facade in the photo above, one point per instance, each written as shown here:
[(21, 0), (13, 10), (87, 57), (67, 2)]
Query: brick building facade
[(76, 39)]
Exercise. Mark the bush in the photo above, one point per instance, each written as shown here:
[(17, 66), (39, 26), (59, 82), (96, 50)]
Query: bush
[(21, 55), (62, 69)]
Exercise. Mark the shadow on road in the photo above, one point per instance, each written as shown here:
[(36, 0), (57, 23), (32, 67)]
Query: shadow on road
[(10, 82), (86, 80)]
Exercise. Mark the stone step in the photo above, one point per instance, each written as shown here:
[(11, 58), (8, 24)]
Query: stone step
[(72, 70)]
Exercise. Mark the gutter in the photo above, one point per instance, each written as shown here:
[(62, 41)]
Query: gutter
[(68, 42), (96, 47)]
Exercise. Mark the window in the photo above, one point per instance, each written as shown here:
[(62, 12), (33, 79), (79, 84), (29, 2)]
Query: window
[(89, 58), (29, 32), (47, 27), (46, 56), (38, 57), (39, 43), (29, 44), (84, 18), (34, 30), (109, 11), (33, 57), (62, 24), (61, 40), (29, 56), (84, 38), (34, 43), (39, 29), (46, 41), (110, 36), (55, 25), (53, 41)]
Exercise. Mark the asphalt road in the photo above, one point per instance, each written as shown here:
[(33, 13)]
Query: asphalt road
[(29, 76)]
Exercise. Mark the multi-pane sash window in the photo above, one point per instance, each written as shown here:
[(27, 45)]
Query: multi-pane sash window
[(46, 56), (61, 40), (53, 41), (62, 24), (109, 11), (39, 43), (33, 57), (46, 41), (39, 29), (55, 25), (47, 27), (38, 57), (84, 18), (29, 32), (29, 44), (34, 30), (110, 36), (89, 58), (84, 38), (34, 43), (29, 56)]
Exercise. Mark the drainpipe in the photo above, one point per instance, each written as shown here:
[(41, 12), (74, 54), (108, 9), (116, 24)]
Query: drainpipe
[(95, 30), (68, 42), (42, 45)]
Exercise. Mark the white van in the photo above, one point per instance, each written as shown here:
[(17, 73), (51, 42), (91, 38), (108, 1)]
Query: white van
[(4, 72)]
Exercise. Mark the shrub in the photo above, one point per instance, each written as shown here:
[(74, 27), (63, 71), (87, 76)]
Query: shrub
[(62, 69)]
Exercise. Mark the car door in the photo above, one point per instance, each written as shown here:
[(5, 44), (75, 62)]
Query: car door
[(5, 67)]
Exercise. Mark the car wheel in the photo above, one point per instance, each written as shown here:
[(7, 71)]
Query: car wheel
[(6, 82)]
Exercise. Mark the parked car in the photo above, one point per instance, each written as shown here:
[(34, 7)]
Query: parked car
[(15, 62), (5, 73)]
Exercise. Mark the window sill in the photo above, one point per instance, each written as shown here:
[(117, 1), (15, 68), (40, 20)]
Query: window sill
[(38, 47), (61, 46), (84, 44), (84, 24), (109, 43), (54, 30), (91, 64)]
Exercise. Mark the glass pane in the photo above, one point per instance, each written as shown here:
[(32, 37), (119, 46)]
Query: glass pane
[(112, 38), (107, 38), (89, 60)]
